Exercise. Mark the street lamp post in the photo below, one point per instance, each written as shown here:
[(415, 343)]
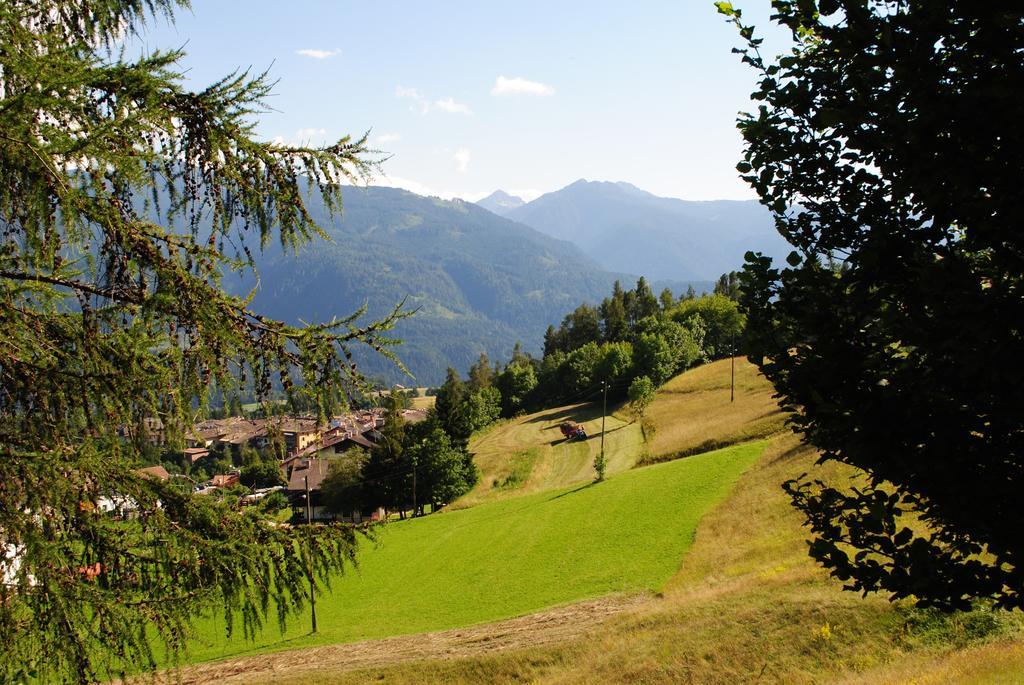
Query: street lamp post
[(309, 560)]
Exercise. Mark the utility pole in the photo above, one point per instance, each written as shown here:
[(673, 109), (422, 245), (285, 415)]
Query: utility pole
[(309, 561), (414, 486), (732, 364), (604, 412)]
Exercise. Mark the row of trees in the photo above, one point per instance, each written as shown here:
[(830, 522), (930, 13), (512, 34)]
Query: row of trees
[(631, 339), (633, 334)]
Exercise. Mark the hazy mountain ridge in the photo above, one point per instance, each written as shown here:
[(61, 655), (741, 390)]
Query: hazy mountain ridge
[(626, 229)]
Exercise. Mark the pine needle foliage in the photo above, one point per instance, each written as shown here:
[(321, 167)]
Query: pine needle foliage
[(125, 198)]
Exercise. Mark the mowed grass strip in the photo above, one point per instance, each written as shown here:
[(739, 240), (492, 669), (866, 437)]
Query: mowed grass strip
[(514, 556), (556, 462), (692, 413), (695, 412)]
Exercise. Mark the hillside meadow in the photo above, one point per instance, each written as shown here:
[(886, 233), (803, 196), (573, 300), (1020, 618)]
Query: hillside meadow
[(746, 605), (513, 556), (698, 564), (691, 413)]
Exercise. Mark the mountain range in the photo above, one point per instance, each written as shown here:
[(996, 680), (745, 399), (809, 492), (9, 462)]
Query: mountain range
[(480, 282), (626, 229)]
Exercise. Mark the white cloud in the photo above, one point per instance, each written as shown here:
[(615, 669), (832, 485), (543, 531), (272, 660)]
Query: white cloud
[(462, 158), (425, 190), (385, 138), (303, 137), (520, 86), (527, 194), (411, 93), (426, 107), (307, 133), (318, 54), (451, 106)]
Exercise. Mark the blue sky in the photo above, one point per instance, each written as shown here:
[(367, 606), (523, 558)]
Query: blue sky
[(468, 97)]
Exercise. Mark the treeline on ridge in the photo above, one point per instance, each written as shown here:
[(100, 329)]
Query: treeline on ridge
[(632, 334)]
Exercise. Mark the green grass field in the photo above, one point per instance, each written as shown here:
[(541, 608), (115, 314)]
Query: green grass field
[(514, 556), (747, 605)]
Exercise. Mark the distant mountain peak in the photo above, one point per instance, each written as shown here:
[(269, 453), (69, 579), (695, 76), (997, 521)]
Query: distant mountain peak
[(626, 229), (605, 186), (501, 202)]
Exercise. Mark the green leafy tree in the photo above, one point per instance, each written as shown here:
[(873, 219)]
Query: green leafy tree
[(342, 488), (554, 340), (582, 368), (387, 472), (613, 316), (261, 474), (481, 374), (889, 141), (552, 377), (274, 502), (723, 322), (582, 326), (515, 384), (666, 299), (453, 410), (444, 471), (645, 304), (728, 285), (483, 407), (655, 357), (615, 365), (124, 199), (641, 394)]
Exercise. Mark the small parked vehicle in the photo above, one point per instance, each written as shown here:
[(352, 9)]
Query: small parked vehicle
[(572, 430)]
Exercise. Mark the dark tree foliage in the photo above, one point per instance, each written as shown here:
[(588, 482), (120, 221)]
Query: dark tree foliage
[(889, 141), (262, 474), (613, 316), (481, 374), (728, 285), (666, 299), (515, 384), (644, 304), (112, 314), (453, 409), (387, 473), (342, 489), (444, 470)]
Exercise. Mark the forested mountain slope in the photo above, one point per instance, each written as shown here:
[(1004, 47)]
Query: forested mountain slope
[(480, 282)]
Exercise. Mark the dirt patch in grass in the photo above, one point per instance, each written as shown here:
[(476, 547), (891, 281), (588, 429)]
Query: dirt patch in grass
[(534, 630)]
